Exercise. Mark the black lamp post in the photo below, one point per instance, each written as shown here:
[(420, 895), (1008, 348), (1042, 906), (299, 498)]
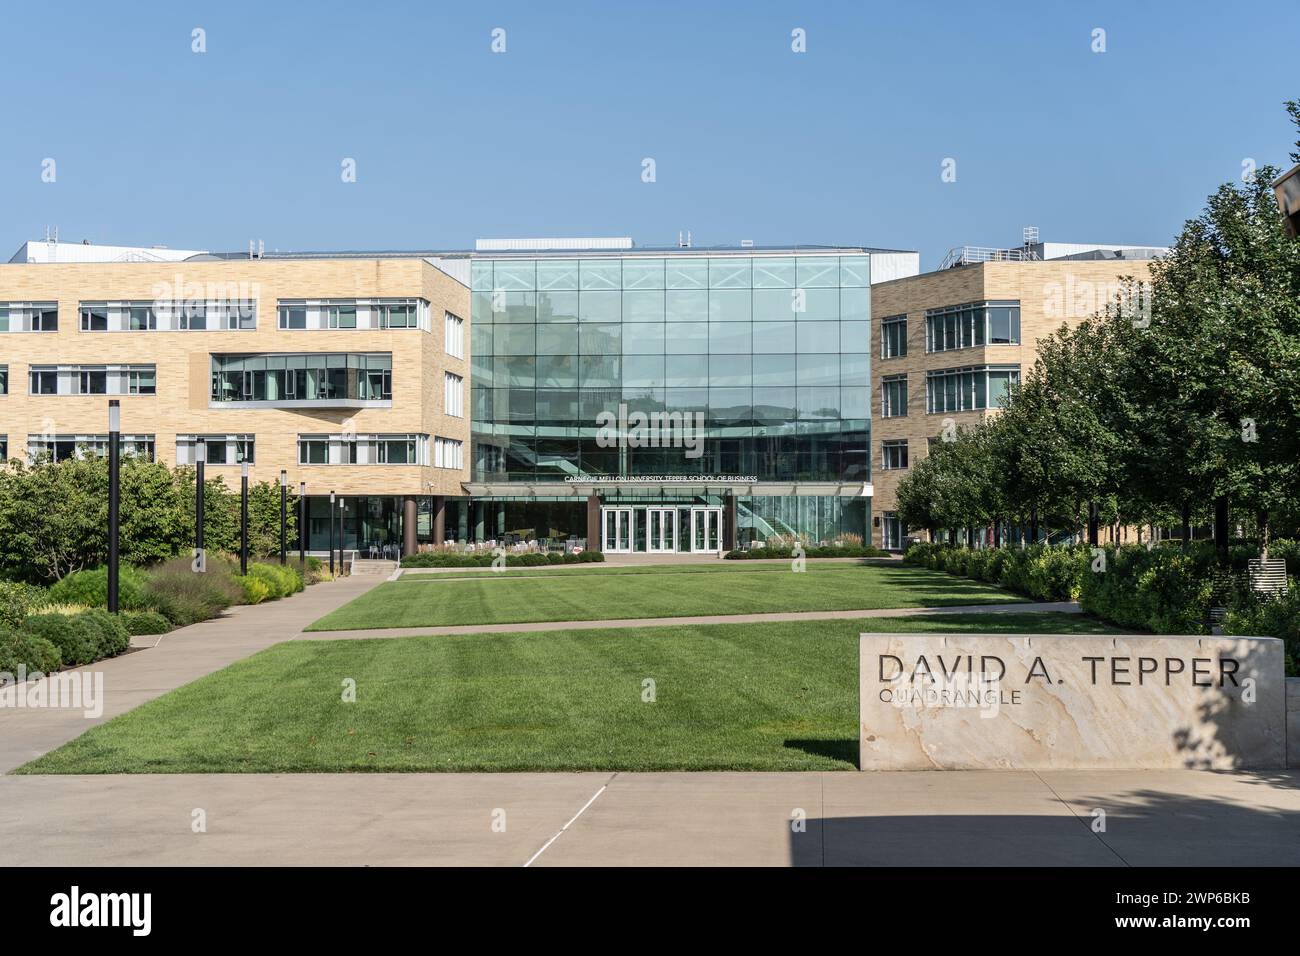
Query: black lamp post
[(243, 518), (200, 459), (284, 505), (114, 493), (342, 508), (331, 523), (302, 523)]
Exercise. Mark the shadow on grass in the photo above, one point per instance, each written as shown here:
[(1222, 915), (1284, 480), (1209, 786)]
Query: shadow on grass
[(845, 751)]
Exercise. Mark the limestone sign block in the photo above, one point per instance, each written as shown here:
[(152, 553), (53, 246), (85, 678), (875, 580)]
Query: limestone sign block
[(1071, 701)]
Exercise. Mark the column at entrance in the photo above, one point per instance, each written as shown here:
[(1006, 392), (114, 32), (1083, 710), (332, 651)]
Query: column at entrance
[(409, 524), (439, 519), (729, 522), (593, 523)]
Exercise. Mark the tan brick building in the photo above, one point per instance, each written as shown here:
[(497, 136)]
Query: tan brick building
[(948, 344), (350, 374)]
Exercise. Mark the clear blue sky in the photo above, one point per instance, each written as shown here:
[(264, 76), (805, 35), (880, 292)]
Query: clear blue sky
[(841, 144)]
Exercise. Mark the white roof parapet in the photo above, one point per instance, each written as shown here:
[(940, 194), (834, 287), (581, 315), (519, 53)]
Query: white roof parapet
[(535, 245)]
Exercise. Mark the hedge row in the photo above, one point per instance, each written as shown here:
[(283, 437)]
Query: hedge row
[(447, 559), (1040, 571), (46, 642), (760, 552)]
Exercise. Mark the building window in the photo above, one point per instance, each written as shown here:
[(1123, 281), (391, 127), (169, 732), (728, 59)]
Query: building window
[(398, 316), (29, 317), (4, 448), (94, 319), (453, 395), (971, 325), (142, 381), (350, 449), (448, 453), (303, 377), (4, 379), (454, 335), (893, 336), (893, 396), (217, 449), (293, 317), (967, 389), (892, 531), (142, 319), (66, 447), (893, 454), (92, 379)]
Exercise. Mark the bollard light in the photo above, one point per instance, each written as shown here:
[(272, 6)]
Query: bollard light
[(284, 506), (200, 459)]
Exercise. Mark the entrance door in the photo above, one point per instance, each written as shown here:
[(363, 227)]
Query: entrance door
[(661, 525), (616, 530), (706, 529)]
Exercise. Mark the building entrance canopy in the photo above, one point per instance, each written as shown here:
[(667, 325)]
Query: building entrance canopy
[(668, 487)]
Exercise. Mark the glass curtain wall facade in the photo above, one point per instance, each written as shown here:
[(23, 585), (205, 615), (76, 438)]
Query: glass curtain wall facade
[(768, 353)]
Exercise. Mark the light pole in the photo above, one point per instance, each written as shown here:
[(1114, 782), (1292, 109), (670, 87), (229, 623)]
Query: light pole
[(243, 518), (302, 523), (200, 459), (114, 493), (342, 508), (331, 523), (284, 505)]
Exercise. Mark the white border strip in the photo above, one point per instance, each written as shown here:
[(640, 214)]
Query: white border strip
[(566, 826)]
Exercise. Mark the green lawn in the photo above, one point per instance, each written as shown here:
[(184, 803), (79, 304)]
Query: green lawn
[(488, 598), (728, 697)]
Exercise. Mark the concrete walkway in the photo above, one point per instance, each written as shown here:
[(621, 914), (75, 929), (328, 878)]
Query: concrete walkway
[(1062, 607), (1048, 818), (171, 660)]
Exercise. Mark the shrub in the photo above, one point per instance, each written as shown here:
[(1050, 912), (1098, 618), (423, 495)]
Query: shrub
[(77, 644), (18, 649), (280, 580), (312, 570), (1165, 590), (18, 600), (110, 633), (145, 622), (185, 596), (1279, 616), (255, 589), (90, 588)]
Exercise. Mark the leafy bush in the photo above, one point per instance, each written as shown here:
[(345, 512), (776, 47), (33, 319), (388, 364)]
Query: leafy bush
[(91, 588), (280, 580), (1039, 571), (111, 633), (18, 649), (1288, 551), (445, 559), (18, 600), (255, 589), (145, 622), (312, 570), (1165, 590), (185, 596), (76, 643), (1255, 616)]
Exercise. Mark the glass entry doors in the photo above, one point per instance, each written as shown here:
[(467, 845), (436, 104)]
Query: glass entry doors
[(661, 526), (706, 529), (616, 530)]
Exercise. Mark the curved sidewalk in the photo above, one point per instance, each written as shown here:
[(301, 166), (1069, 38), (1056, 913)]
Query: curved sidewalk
[(156, 665), (1061, 607)]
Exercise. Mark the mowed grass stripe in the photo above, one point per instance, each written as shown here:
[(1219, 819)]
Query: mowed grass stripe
[(496, 599), (727, 697)]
